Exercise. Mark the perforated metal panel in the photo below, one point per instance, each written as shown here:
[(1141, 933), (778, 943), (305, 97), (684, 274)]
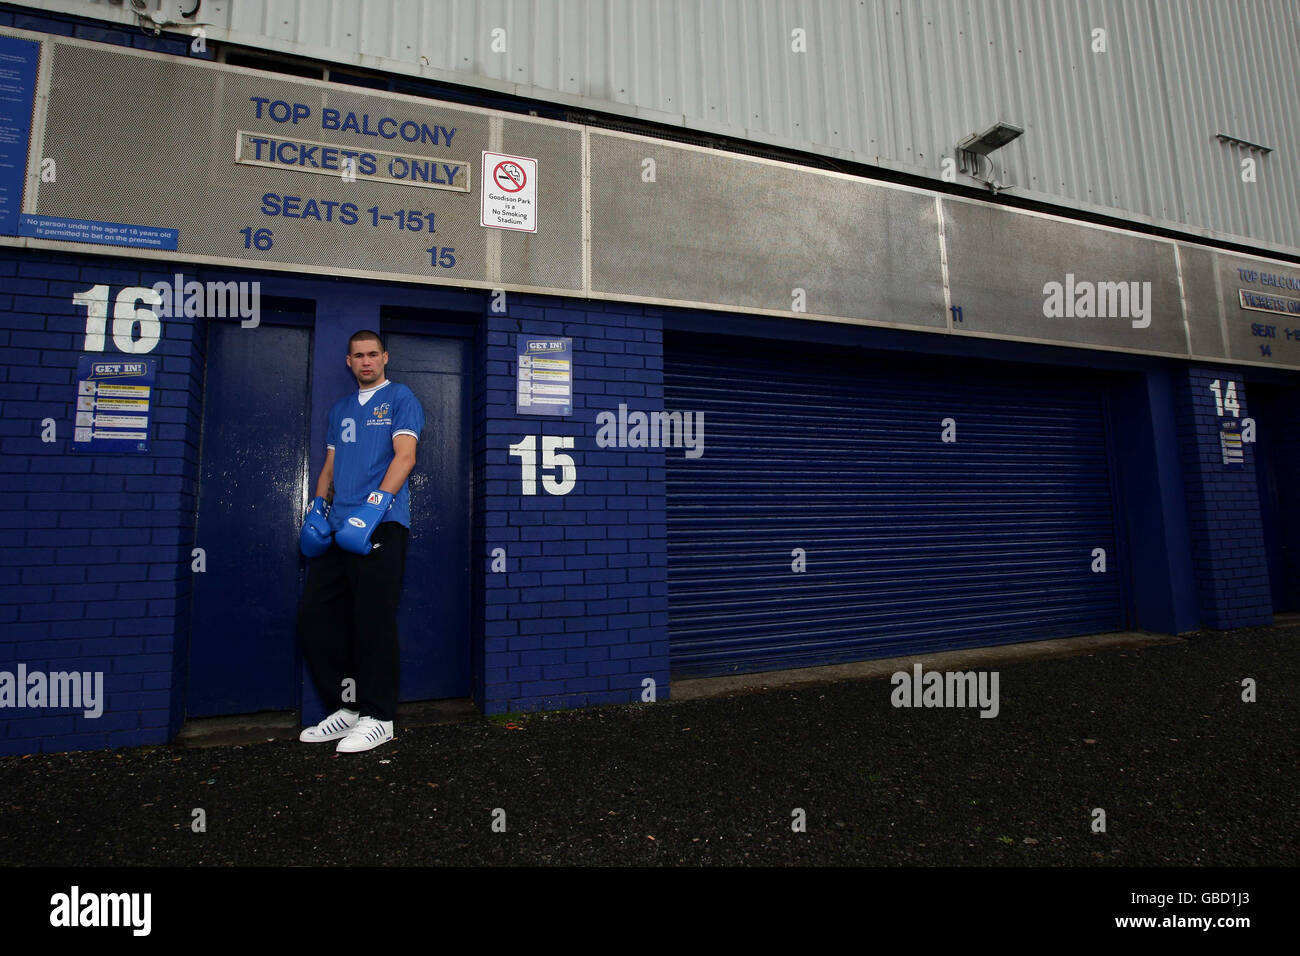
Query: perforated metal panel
[(168, 159), (717, 228), (1201, 300), (912, 544), (999, 263), (1271, 333), (552, 257)]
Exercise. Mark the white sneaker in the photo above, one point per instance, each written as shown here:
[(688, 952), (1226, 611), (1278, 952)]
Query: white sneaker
[(366, 735), (335, 725)]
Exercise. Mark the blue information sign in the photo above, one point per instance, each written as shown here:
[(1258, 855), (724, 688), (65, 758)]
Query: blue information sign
[(544, 373), (113, 399), (1234, 452), (99, 233), (18, 59)]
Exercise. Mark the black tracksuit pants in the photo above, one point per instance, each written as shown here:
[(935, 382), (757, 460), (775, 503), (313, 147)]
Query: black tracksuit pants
[(347, 622)]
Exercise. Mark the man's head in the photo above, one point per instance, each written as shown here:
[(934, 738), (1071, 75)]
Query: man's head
[(367, 358)]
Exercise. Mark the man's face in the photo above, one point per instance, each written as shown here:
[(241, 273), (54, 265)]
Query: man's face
[(367, 362)]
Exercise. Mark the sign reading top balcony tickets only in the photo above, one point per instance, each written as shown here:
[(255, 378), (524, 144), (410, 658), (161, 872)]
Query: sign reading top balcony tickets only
[(509, 192), (544, 367), (243, 168)]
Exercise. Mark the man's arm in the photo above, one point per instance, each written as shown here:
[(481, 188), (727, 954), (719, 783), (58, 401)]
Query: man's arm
[(325, 483), (399, 468)]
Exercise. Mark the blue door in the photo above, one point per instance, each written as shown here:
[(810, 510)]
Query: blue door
[(1277, 471), (244, 655), (433, 619), (253, 469)]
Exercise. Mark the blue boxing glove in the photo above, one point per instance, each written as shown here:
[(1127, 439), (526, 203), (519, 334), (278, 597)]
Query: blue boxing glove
[(355, 534), (315, 537)]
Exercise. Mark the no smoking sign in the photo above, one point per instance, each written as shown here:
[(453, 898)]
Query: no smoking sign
[(509, 192)]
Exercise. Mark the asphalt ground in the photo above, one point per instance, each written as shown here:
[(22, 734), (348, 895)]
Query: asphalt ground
[(1187, 773)]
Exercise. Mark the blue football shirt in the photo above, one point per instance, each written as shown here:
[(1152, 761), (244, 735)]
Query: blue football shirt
[(361, 431)]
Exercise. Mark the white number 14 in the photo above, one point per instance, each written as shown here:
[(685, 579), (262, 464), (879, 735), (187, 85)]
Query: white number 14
[(1227, 400)]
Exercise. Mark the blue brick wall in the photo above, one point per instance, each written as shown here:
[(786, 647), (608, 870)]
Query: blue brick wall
[(580, 616), (94, 567), (1223, 509), (95, 552), (87, 587)]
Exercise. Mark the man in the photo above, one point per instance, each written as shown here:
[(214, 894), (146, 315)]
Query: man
[(355, 535)]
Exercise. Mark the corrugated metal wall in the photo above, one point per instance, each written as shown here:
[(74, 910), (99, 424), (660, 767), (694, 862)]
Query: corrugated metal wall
[(894, 83)]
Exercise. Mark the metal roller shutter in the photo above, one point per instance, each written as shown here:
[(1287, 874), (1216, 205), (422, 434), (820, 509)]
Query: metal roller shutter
[(912, 544)]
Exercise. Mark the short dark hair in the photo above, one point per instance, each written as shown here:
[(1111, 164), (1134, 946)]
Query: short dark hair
[(366, 334)]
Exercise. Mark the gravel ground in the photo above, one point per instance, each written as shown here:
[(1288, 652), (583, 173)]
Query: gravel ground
[(1158, 737)]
